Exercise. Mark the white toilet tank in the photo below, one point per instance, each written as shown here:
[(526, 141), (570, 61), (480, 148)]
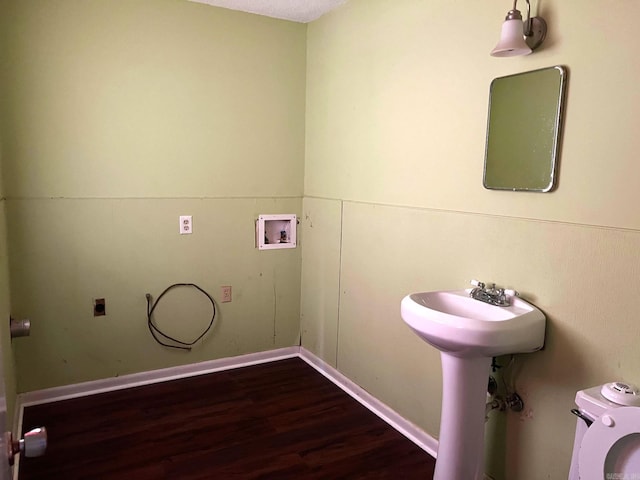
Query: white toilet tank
[(608, 449)]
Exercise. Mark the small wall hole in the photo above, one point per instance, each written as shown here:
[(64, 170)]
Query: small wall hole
[(99, 307)]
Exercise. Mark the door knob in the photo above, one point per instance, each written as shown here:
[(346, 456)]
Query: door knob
[(34, 444), (19, 328)]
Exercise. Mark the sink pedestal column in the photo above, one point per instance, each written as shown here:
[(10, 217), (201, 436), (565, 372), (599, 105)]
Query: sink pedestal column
[(464, 396)]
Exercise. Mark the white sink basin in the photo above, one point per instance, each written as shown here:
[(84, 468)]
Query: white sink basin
[(455, 323)]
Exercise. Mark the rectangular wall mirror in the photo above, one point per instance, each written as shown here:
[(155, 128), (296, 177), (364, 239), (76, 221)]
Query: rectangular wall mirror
[(523, 130)]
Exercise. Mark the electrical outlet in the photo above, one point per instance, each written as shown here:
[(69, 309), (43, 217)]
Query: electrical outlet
[(186, 224), (226, 294)]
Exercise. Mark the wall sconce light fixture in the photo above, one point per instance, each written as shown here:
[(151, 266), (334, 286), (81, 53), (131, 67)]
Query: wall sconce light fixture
[(518, 38)]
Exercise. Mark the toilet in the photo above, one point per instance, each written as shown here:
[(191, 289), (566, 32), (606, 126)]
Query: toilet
[(607, 441)]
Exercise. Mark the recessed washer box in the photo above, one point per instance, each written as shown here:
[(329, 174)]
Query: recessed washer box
[(276, 231)]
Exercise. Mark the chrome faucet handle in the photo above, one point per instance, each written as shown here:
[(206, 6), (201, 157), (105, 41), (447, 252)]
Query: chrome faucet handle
[(477, 283), (511, 293)]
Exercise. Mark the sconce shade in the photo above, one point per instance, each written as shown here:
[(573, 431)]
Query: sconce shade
[(511, 41)]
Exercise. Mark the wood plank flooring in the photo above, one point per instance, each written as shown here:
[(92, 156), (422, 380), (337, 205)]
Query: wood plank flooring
[(280, 420)]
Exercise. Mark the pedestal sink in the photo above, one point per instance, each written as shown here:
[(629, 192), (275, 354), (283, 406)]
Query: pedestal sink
[(468, 333)]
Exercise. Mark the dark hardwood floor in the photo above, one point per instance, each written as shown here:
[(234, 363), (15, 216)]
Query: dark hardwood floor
[(278, 420)]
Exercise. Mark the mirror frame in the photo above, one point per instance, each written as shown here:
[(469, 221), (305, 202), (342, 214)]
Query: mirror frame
[(557, 133)]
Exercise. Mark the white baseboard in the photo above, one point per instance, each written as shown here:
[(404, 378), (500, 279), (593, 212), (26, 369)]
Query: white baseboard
[(408, 429), (401, 424), (153, 376)]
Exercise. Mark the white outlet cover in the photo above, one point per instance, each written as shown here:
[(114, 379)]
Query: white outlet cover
[(186, 225)]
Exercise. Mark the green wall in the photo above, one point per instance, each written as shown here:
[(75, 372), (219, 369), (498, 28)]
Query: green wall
[(117, 118), (397, 100), (7, 365)]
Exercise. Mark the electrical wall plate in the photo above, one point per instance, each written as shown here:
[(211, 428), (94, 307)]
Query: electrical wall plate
[(276, 231), (186, 224)]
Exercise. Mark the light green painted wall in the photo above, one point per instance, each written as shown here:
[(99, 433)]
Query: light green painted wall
[(388, 99), (60, 261), (396, 119), (321, 227), (117, 118), (151, 98), (7, 363)]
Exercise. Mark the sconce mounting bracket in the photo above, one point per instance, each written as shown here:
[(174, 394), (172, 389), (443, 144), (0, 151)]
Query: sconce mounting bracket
[(535, 32)]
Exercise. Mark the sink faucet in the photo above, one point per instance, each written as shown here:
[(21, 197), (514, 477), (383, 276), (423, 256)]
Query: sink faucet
[(491, 295)]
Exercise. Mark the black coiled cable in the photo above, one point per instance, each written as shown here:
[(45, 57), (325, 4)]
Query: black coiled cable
[(155, 330)]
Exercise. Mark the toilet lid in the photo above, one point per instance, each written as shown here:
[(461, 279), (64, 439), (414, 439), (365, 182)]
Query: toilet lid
[(611, 445)]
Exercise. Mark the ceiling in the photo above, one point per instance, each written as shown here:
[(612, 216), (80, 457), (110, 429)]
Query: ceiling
[(302, 11)]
